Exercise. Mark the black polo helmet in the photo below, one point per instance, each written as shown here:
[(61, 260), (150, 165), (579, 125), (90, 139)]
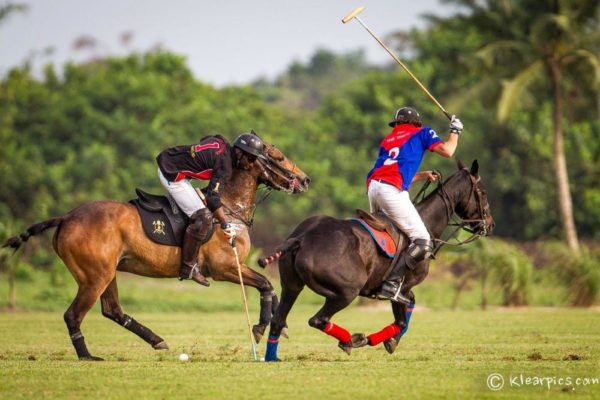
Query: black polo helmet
[(406, 115), (251, 144)]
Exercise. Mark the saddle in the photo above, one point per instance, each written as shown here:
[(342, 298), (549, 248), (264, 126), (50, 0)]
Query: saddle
[(388, 237), (162, 219)]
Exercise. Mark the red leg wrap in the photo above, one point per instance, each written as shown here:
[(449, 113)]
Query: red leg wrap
[(337, 332), (384, 334)]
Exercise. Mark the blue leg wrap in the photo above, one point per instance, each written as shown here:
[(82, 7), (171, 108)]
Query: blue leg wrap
[(409, 311), (272, 344)]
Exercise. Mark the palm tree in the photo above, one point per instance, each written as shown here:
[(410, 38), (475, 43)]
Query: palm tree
[(539, 44)]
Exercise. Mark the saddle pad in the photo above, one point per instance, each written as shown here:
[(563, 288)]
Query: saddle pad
[(159, 222), (384, 241)]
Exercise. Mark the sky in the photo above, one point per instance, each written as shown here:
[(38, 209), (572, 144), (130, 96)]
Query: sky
[(224, 41)]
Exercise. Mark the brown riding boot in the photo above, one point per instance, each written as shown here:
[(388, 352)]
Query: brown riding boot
[(189, 260)]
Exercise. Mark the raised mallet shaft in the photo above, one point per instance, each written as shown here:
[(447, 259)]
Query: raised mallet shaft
[(354, 15)]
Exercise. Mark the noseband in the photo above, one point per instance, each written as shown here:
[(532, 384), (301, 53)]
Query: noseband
[(270, 169)]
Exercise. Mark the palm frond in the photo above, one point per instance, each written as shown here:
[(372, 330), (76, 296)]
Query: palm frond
[(514, 88), (592, 60), (492, 52)]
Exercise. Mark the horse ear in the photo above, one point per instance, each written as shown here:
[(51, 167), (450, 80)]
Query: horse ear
[(253, 133), (474, 168), (460, 164)]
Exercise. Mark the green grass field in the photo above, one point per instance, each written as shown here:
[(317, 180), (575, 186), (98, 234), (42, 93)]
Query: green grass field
[(445, 354)]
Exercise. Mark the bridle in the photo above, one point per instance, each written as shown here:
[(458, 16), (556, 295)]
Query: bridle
[(272, 168), (268, 168), (481, 229)]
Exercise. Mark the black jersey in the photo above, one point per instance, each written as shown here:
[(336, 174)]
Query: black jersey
[(212, 159)]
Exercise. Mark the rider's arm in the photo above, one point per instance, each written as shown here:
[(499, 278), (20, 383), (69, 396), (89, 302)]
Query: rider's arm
[(220, 177), (419, 176), (447, 148), (220, 215)]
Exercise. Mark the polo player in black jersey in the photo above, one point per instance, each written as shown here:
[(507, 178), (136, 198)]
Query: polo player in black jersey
[(212, 159)]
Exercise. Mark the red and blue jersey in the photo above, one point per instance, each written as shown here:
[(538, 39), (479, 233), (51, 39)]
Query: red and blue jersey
[(401, 153)]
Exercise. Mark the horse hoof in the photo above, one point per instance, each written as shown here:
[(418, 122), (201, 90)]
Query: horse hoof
[(359, 340), (161, 346), (391, 344), (258, 331), (91, 358), (284, 333), (347, 347)]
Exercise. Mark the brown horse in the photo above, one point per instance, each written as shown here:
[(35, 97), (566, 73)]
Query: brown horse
[(97, 239)]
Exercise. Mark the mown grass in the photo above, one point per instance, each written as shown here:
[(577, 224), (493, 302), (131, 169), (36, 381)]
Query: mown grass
[(446, 354)]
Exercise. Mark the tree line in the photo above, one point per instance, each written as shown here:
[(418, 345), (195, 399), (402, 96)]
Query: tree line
[(91, 131)]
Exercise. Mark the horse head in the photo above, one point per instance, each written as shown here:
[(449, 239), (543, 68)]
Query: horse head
[(280, 173), (472, 206)]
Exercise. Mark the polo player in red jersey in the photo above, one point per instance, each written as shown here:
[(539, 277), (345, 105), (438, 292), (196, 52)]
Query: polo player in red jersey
[(388, 182)]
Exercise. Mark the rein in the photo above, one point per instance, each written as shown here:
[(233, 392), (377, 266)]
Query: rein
[(237, 214), (453, 219)]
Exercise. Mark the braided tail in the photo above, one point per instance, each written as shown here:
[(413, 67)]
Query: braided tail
[(16, 241), (288, 246), (263, 262)]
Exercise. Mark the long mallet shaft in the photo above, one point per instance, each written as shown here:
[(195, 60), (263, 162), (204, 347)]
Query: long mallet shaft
[(354, 15), (239, 267)]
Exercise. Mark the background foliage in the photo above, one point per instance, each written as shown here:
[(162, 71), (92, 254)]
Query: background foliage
[(91, 131)]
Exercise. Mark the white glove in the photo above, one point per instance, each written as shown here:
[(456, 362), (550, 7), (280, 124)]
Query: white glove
[(229, 230), (455, 125)]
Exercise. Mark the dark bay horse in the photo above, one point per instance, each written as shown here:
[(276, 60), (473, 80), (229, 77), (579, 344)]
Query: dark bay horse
[(339, 260), (97, 239)]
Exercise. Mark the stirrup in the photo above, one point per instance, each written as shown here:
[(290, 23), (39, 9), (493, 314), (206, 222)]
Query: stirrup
[(396, 296), (193, 270)]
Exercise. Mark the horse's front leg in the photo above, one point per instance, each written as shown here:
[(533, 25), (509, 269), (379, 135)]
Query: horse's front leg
[(391, 334), (262, 284)]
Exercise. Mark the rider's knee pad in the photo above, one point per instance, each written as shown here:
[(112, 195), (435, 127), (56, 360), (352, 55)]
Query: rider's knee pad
[(200, 224), (419, 250)]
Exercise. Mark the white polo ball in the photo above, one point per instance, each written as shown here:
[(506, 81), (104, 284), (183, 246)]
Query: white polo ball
[(183, 357)]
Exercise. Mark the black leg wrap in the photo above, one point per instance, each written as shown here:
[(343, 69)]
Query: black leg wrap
[(140, 330), (266, 308), (79, 343)]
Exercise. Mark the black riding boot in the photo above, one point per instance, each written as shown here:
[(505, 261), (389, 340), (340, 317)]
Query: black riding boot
[(195, 235), (418, 251)]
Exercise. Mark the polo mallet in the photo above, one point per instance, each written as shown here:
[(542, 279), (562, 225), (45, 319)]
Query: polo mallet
[(239, 267), (354, 15)]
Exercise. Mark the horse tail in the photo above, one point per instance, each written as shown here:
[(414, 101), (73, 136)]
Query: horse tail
[(288, 246), (16, 241)]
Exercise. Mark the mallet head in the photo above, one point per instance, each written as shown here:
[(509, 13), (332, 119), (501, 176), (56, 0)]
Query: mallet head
[(352, 14)]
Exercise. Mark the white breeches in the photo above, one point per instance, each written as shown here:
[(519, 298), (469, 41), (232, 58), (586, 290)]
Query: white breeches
[(396, 204), (183, 193)]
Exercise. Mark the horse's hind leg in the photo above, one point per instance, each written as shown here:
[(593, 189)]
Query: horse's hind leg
[(84, 300), (321, 320), (111, 309)]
